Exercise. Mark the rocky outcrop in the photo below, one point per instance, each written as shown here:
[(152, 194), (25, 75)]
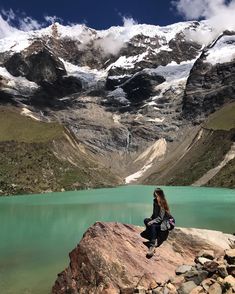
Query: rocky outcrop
[(140, 87), (39, 66), (209, 86), (111, 258)]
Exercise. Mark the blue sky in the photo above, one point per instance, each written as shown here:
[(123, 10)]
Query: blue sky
[(98, 14)]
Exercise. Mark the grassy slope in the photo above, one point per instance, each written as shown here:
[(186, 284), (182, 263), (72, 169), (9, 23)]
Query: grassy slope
[(205, 154), (19, 128), (28, 163), (224, 119)]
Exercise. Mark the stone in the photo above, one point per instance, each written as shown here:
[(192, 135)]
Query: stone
[(207, 283), (209, 254), (211, 266), (177, 281), (215, 289), (220, 280), (187, 287), (231, 270), (230, 256), (230, 280), (222, 271), (147, 282), (196, 276), (202, 260), (140, 290), (171, 288), (158, 290), (198, 266), (127, 291), (183, 269), (197, 290)]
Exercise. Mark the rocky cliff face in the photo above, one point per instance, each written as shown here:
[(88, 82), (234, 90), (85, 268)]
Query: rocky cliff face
[(111, 258), (123, 91), (211, 82)]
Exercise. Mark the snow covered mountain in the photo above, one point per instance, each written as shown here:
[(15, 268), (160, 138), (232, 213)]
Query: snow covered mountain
[(131, 95)]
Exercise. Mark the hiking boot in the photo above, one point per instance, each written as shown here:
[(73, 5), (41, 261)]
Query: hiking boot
[(151, 251)]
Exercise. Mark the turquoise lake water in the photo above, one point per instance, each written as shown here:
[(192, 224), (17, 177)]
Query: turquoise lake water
[(38, 231)]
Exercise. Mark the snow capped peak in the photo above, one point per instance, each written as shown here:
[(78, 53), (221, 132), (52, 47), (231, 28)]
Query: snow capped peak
[(128, 32), (12, 39), (222, 50), (6, 29)]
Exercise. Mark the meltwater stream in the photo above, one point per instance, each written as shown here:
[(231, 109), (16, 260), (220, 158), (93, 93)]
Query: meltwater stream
[(38, 231)]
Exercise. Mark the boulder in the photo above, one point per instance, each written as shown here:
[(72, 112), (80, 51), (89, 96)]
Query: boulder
[(211, 266), (209, 254), (202, 260), (183, 269), (187, 287), (215, 289), (222, 271), (230, 280), (231, 270), (230, 256), (111, 258), (197, 290), (207, 283)]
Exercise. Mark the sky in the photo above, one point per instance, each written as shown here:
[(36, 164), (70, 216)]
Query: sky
[(102, 14), (97, 14)]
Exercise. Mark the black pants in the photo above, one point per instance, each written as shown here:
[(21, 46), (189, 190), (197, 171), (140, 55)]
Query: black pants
[(154, 233)]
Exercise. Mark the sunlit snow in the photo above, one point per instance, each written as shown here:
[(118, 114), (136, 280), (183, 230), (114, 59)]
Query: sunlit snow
[(222, 51)]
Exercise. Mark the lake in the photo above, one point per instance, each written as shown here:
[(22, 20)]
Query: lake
[(38, 231)]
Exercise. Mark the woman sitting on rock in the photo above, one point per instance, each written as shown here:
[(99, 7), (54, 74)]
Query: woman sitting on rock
[(160, 223)]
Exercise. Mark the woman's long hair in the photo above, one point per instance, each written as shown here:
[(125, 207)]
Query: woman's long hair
[(162, 202)]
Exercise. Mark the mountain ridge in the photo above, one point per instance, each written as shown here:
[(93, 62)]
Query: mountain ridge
[(120, 91)]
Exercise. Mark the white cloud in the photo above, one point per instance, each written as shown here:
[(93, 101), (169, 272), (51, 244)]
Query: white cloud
[(53, 19), (28, 24), (110, 44), (11, 22), (128, 21), (5, 28), (114, 42), (219, 14), (9, 14)]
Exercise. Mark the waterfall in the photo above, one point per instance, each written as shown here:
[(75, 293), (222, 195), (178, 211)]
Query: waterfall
[(128, 139)]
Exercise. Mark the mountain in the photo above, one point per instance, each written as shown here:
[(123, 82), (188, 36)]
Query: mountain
[(145, 103)]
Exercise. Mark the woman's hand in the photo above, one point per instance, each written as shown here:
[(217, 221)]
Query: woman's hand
[(150, 223)]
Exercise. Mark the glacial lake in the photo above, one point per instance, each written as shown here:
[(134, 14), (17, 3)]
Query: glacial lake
[(38, 231)]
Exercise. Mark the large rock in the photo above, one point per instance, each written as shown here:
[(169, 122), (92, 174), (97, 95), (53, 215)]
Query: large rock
[(111, 258), (39, 66), (209, 86)]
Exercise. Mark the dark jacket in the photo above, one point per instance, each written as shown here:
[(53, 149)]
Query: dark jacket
[(160, 216)]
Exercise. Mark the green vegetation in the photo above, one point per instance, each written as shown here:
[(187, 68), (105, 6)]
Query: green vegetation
[(204, 155), (223, 119), (19, 128), (36, 157), (33, 168), (226, 176)]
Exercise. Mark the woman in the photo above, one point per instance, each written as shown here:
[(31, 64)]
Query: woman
[(158, 225)]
